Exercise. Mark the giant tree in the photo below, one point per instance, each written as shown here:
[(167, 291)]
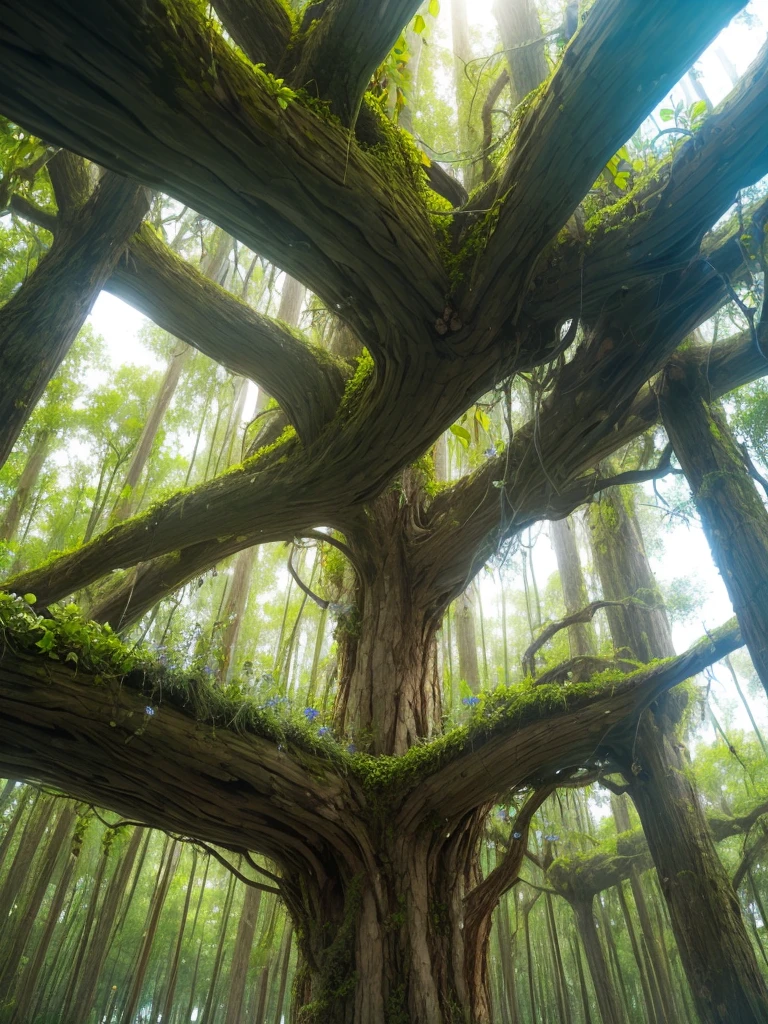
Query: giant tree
[(267, 130)]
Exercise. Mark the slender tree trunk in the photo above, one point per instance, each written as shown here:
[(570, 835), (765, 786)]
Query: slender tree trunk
[(103, 933), (17, 930), (518, 22), (166, 875), (27, 482), (127, 502), (711, 935), (29, 982), (285, 959), (582, 636), (607, 996), (466, 639), (206, 1017), (174, 968), (733, 514), (243, 942), (29, 843), (18, 815)]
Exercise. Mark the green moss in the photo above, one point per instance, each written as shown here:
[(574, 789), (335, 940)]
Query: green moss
[(337, 975), (356, 386)]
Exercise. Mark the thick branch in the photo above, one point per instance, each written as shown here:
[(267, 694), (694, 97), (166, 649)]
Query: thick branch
[(221, 785), (303, 379), (345, 42), (160, 95), (616, 68), (556, 729), (661, 224), (261, 28), (41, 320)]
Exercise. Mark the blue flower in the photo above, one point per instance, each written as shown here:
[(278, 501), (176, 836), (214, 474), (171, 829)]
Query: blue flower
[(517, 835), (148, 710), (351, 749), (323, 731), (470, 702), (208, 670), (272, 702), (311, 714), (489, 453), (552, 838)]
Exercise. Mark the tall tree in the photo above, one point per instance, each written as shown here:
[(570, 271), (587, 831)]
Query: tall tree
[(286, 152)]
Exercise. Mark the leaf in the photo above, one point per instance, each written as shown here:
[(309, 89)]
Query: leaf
[(425, 159), (462, 434), (419, 24), (30, 598), (621, 180), (483, 419), (698, 110), (434, 7), (666, 114)]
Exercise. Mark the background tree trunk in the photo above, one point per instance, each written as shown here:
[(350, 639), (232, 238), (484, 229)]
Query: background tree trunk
[(714, 946), (732, 512)]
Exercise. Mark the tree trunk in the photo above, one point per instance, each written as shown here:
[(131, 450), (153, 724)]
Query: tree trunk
[(466, 639), (29, 475), (29, 982), (607, 996), (711, 935), (518, 22), (100, 940), (158, 899), (40, 322), (127, 502), (240, 958), (582, 635), (732, 512), (389, 690), (17, 929)]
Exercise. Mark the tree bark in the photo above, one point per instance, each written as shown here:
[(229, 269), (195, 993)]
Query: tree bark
[(29, 475), (581, 635), (607, 996), (714, 946), (466, 639), (732, 512), (241, 955), (519, 27), (389, 694), (40, 322)]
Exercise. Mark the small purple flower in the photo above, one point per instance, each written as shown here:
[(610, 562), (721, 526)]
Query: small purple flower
[(311, 714), (208, 670), (489, 453), (502, 814), (323, 731), (470, 702), (272, 702), (351, 749), (552, 838)]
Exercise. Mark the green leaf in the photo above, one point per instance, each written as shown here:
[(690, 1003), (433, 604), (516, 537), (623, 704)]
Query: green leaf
[(698, 110), (434, 7), (30, 598), (419, 24), (666, 114), (483, 419), (462, 434)]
